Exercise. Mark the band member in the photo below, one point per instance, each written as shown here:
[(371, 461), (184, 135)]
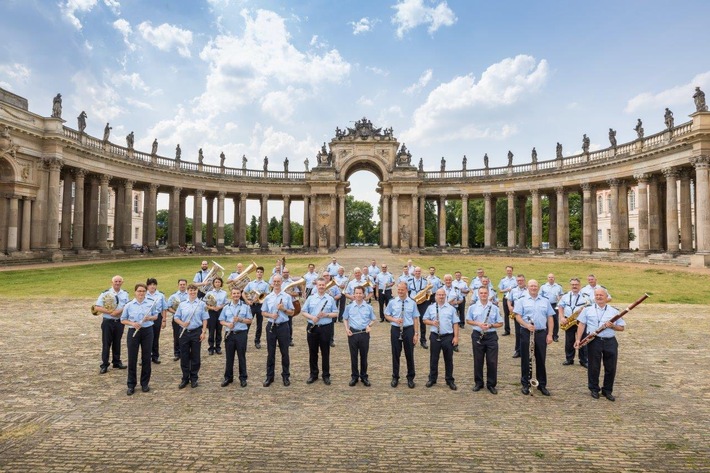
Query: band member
[(111, 327), (485, 318), (453, 297), (173, 303), (589, 289), (570, 303), (535, 316), (358, 280), (492, 294), (417, 284), (514, 295), (504, 286), (295, 293), (404, 277), (237, 272), (553, 292), (604, 347), (476, 282), (236, 317), (213, 325), (257, 286), (373, 270), (358, 318), (278, 308), (371, 287), (435, 282), (320, 309), (192, 316), (459, 283), (342, 281), (280, 263), (444, 336), (201, 279), (384, 282), (410, 268), (310, 278), (402, 313), (162, 306), (139, 314), (333, 267)]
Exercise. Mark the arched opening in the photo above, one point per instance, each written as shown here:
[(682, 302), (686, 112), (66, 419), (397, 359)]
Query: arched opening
[(362, 206)]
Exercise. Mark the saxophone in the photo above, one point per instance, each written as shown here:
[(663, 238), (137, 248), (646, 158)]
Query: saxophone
[(572, 319)]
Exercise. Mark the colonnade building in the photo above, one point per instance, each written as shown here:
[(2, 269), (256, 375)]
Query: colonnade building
[(43, 163)]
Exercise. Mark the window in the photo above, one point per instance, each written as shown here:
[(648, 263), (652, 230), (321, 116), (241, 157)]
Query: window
[(632, 199), (599, 232), (136, 204), (600, 208), (608, 203), (136, 233), (608, 234)]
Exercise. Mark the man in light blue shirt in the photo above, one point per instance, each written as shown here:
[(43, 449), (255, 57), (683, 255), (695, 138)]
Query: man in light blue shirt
[(115, 299), (310, 278), (570, 303), (535, 316), (504, 286), (384, 282), (444, 322), (239, 270), (402, 314), (173, 302), (553, 292), (589, 289), (485, 318), (358, 318), (139, 314), (333, 267), (278, 308), (435, 282), (512, 296), (162, 306), (201, 279), (459, 283), (236, 318), (476, 282), (192, 317), (342, 281), (319, 309), (257, 286), (373, 270)]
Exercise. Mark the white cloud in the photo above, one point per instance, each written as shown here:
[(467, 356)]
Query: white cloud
[(366, 101), (124, 27), (100, 99), (363, 25), (166, 37), (421, 83), (412, 13), (18, 73), (678, 95), (457, 109), (134, 81), (71, 7), (281, 104), (378, 71), (114, 6)]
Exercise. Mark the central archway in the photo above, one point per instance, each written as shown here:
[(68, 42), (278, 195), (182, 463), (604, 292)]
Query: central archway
[(362, 207)]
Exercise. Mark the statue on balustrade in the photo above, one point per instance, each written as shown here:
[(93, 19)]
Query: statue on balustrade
[(82, 121), (443, 164), (154, 148), (200, 156), (585, 144), (178, 153), (306, 163), (404, 157), (222, 157), (485, 160), (639, 129), (464, 162), (558, 150), (388, 133), (266, 163), (421, 165), (286, 165), (612, 138), (339, 133), (668, 119), (323, 157), (699, 97), (107, 132), (130, 140), (57, 106), (510, 158), (534, 155), (244, 162)]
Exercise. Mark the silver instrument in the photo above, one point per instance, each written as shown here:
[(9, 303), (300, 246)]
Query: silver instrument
[(146, 315)]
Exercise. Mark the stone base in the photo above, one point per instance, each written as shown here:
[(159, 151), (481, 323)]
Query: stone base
[(700, 261), (57, 256), (322, 251)]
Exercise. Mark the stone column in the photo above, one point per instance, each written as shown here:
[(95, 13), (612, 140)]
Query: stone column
[(174, 220), (314, 221), (702, 204), (197, 220), (464, 221), (26, 223), (623, 215), (152, 196), (128, 214), (119, 210), (488, 234), (78, 230), (306, 221), (522, 222), (54, 165), (686, 218), (264, 223), (3, 222), (562, 220), (235, 225), (341, 221), (386, 221), (552, 221), (536, 239), (65, 243), (654, 219), (614, 218), (594, 219), (395, 221), (209, 223), (671, 175), (642, 205), (91, 222), (182, 220), (511, 219), (12, 224), (422, 211), (286, 234), (220, 219), (587, 216), (442, 221), (243, 221), (414, 242), (332, 237), (102, 235)]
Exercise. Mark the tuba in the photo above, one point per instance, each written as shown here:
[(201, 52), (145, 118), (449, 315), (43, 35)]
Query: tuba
[(109, 303), (216, 271), (423, 295), (301, 284), (241, 281)]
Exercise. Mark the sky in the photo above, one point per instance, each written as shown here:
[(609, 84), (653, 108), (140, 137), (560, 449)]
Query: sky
[(275, 78)]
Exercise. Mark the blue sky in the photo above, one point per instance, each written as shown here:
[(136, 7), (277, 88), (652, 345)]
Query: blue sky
[(275, 77)]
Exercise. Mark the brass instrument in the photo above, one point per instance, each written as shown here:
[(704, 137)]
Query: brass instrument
[(216, 271), (109, 303), (241, 281), (175, 304), (367, 283), (423, 295), (572, 319), (255, 297), (210, 300), (330, 284), (301, 284), (465, 279)]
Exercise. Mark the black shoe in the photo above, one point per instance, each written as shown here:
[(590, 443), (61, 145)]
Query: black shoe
[(353, 382), (456, 348), (226, 382), (477, 388), (609, 396), (567, 362), (243, 383), (145, 389), (103, 370), (516, 354), (382, 320), (156, 361), (287, 382), (326, 380), (130, 391), (452, 386), (176, 357), (257, 345), (430, 383), (505, 334), (218, 350), (211, 351), (267, 382), (182, 384), (556, 338), (291, 343), (120, 366), (525, 390), (366, 382), (332, 343), (424, 344), (394, 382), (410, 383), (544, 391), (584, 364), (311, 379), (493, 389), (195, 384), (595, 394)]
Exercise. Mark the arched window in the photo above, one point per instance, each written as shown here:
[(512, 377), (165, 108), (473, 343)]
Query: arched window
[(600, 205), (632, 199)]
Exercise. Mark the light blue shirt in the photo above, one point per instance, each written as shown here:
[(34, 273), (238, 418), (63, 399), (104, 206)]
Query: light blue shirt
[(200, 276), (404, 278), (435, 282), (315, 304), (120, 299), (241, 309), (516, 293), (219, 295), (332, 269), (571, 302), (475, 283), (335, 292), (162, 304), (534, 311), (384, 281), (341, 281), (350, 290), (373, 270), (194, 311), (258, 286), (181, 296), (492, 295), (135, 311), (478, 312), (310, 278), (359, 316), (452, 295), (272, 302), (416, 286), (461, 284), (594, 317), (551, 291), (447, 317), (233, 275), (507, 283), (589, 291), (397, 307)]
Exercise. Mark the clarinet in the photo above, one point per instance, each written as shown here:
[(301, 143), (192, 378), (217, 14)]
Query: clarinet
[(234, 320), (314, 324), (401, 329), (488, 313), (533, 380), (438, 329), (273, 324)]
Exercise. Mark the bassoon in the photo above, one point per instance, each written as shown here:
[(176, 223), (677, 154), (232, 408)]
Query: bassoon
[(593, 335)]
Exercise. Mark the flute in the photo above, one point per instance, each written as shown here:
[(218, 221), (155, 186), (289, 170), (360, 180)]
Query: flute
[(145, 316)]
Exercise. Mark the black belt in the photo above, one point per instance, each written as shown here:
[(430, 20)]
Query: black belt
[(113, 320), (443, 334), (193, 330), (541, 330), (604, 338), (278, 325)]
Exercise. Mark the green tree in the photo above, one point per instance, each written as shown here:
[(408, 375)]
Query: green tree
[(253, 235), (431, 228), (161, 221), (296, 234), (275, 231), (358, 223), (229, 234)]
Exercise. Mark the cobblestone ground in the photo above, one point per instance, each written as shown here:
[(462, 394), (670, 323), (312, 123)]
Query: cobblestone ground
[(58, 413)]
